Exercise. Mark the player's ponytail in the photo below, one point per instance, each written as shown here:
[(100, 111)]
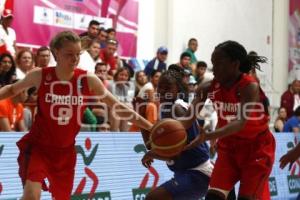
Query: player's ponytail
[(251, 61), (236, 52)]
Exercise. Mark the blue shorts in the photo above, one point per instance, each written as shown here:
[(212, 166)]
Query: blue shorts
[(187, 185)]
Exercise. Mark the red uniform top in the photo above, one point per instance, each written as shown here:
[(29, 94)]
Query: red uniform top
[(61, 105), (227, 104)]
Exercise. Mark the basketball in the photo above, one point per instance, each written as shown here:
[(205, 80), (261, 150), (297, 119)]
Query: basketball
[(168, 137)]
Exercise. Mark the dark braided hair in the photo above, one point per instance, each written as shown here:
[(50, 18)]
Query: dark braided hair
[(236, 51), (174, 75)]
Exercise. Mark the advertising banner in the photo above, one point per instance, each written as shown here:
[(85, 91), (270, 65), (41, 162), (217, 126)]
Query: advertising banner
[(109, 168), (294, 40), (37, 21)]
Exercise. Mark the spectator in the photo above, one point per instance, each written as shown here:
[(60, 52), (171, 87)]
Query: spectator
[(24, 63), (146, 103), (30, 107), (93, 30), (184, 62), (140, 81), (105, 127), (11, 113), (7, 34), (107, 56), (280, 120), (111, 34), (290, 99), (192, 48), (90, 54), (200, 73), (159, 62), (147, 92), (293, 123), (101, 73), (119, 88), (8, 66), (102, 37), (42, 57)]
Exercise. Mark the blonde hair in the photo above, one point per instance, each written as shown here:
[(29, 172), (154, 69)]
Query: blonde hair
[(61, 38)]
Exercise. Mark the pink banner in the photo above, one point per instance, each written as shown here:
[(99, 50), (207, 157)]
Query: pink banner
[(37, 21), (294, 40)]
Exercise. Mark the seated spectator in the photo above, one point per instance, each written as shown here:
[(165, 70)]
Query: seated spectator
[(89, 120), (42, 57), (147, 92), (8, 69), (93, 30), (102, 37), (293, 123), (30, 107), (184, 62), (107, 56), (24, 63), (111, 34), (159, 62), (146, 101), (101, 73), (200, 73), (290, 98), (192, 48), (7, 34), (119, 88), (105, 127), (90, 54), (140, 81), (11, 113), (280, 120)]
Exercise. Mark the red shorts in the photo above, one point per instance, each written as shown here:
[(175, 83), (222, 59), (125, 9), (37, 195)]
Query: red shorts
[(58, 166), (244, 160)]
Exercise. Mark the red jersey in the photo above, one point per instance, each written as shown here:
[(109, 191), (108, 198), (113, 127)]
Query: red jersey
[(227, 103), (61, 105)]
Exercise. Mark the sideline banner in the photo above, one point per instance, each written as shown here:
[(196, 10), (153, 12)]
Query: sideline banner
[(37, 21), (109, 168), (294, 40)]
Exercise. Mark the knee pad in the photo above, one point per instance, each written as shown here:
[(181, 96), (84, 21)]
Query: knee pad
[(214, 196)]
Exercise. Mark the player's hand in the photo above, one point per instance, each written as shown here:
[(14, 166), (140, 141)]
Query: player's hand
[(147, 160), (289, 157), (197, 141)]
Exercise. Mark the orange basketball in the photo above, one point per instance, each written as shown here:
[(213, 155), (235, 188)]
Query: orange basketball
[(168, 137)]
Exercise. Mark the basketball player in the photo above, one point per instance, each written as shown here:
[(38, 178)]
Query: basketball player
[(48, 151), (192, 168), (245, 144)]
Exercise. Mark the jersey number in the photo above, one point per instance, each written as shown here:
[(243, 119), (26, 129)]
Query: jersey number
[(64, 116)]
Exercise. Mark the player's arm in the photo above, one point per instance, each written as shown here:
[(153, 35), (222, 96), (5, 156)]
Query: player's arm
[(197, 104), (147, 159), (249, 97), (290, 157), (122, 110), (33, 78)]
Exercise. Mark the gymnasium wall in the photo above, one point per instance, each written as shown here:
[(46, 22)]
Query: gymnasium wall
[(110, 164), (258, 25)]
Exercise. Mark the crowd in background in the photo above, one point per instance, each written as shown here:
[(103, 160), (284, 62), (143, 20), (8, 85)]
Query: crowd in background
[(135, 88)]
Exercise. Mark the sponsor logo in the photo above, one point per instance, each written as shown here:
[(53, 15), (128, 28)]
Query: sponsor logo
[(140, 194), (88, 159), (273, 186), (294, 184), (97, 196)]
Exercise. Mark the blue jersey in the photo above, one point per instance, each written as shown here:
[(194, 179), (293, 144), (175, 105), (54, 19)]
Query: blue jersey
[(190, 158)]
